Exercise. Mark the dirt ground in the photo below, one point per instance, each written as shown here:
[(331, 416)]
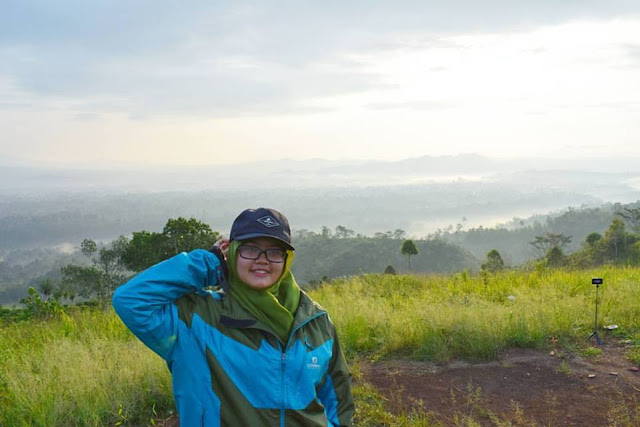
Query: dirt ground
[(541, 387)]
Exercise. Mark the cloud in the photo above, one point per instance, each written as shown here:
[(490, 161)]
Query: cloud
[(229, 59), (411, 105), (633, 52)]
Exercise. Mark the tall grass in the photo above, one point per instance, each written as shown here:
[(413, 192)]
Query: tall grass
[(475, 317), (82, 369), (85, 368)]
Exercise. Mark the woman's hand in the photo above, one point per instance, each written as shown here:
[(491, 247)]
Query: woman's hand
[(222, 245)]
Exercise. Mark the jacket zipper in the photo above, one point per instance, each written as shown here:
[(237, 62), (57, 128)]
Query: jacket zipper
[(283, 363), (283, 360)]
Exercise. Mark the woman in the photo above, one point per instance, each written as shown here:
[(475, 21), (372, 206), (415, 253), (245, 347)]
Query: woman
[(258, 352)]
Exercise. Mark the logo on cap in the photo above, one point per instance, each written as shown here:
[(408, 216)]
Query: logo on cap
[(268, 221)]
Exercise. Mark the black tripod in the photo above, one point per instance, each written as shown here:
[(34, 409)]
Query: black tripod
[(594, 334)]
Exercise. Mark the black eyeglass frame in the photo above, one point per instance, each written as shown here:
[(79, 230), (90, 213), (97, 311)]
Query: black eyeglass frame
[(263, 251)]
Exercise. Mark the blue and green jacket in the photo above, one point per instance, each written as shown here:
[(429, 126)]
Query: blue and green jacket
[(228, 368)]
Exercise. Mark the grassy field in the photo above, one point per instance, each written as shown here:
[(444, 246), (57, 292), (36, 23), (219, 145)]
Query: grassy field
[(85, 368)]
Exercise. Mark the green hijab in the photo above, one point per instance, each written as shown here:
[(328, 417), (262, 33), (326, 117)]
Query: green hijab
[(274, 306)]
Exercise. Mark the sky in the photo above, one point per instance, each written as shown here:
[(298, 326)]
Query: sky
[(109, 82)]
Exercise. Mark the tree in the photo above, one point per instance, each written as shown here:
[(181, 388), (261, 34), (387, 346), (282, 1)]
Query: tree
[(186, 235), (389, 270), (593, 238), (617, 245), (409, 249), (47, 287), (343, 232), (399, 234), (146, 249), (179, 235), (494, 261), (631, 217), (555, 257), (107, 271), (381, 235), (549, 240), (38, 308)]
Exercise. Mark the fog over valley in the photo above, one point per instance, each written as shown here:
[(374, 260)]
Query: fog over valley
[(51, 206)]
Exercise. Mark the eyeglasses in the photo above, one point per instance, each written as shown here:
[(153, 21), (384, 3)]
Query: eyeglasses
[(276, 255)]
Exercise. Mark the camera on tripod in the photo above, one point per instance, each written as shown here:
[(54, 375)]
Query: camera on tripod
[(596, 281)]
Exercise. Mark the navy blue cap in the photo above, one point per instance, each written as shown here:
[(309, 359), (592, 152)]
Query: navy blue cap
[(261, 222)]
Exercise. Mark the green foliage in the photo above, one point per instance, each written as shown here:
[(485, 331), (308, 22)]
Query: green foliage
[(593, 238), (389, 270), (631, 215), (442, 317), (591, 352), (39, 309), (146, 249), (318, 257), (408, 249), (494, 261), (178, 235), (512, 239), (555, 258), (100, 279), (547, 241), (343, 232), (185, 235), (81, 368), (616, 246)]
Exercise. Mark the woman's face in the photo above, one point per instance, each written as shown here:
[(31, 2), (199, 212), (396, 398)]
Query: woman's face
[(259, 273)]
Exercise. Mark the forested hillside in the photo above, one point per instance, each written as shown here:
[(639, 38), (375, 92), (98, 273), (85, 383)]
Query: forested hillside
[(513, 239), (325, 253), (318, 256)]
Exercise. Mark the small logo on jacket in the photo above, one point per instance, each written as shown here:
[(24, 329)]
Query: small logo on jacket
[(268, 221), (314, 363)]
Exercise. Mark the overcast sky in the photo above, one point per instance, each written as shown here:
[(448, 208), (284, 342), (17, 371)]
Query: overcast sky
[(203, 82)]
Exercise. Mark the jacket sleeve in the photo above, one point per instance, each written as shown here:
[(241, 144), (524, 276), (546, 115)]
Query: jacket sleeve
[(145, 303), (335, 393)]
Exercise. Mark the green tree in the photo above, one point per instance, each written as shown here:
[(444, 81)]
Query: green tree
[(389, 270), (186, 235), (179, 235), (381, 235), (47, 287), (555, 258), (494, 261), (146, 249), (343, 232), (593, 238), (617, 245), (631, 217), (107, 271), (399, 234), (409, 249), (38, 308), (548, 240)]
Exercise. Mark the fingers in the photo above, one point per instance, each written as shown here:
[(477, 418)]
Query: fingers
[(223, 245)]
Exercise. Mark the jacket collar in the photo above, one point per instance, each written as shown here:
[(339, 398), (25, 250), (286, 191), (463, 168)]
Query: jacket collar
[(234, 315)]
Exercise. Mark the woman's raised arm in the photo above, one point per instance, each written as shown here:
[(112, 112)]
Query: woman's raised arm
[(145, 303)]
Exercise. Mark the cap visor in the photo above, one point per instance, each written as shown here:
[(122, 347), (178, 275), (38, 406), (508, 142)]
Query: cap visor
[(254, 235)]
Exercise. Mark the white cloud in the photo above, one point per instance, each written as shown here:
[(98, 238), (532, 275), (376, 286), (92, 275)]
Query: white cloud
[(389, 80)]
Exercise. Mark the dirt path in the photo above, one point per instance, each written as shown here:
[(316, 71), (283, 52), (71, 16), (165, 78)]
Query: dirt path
[(523, 386)]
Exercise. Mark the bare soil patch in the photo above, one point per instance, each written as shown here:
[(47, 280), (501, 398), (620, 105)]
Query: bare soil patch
[(524, 386)]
